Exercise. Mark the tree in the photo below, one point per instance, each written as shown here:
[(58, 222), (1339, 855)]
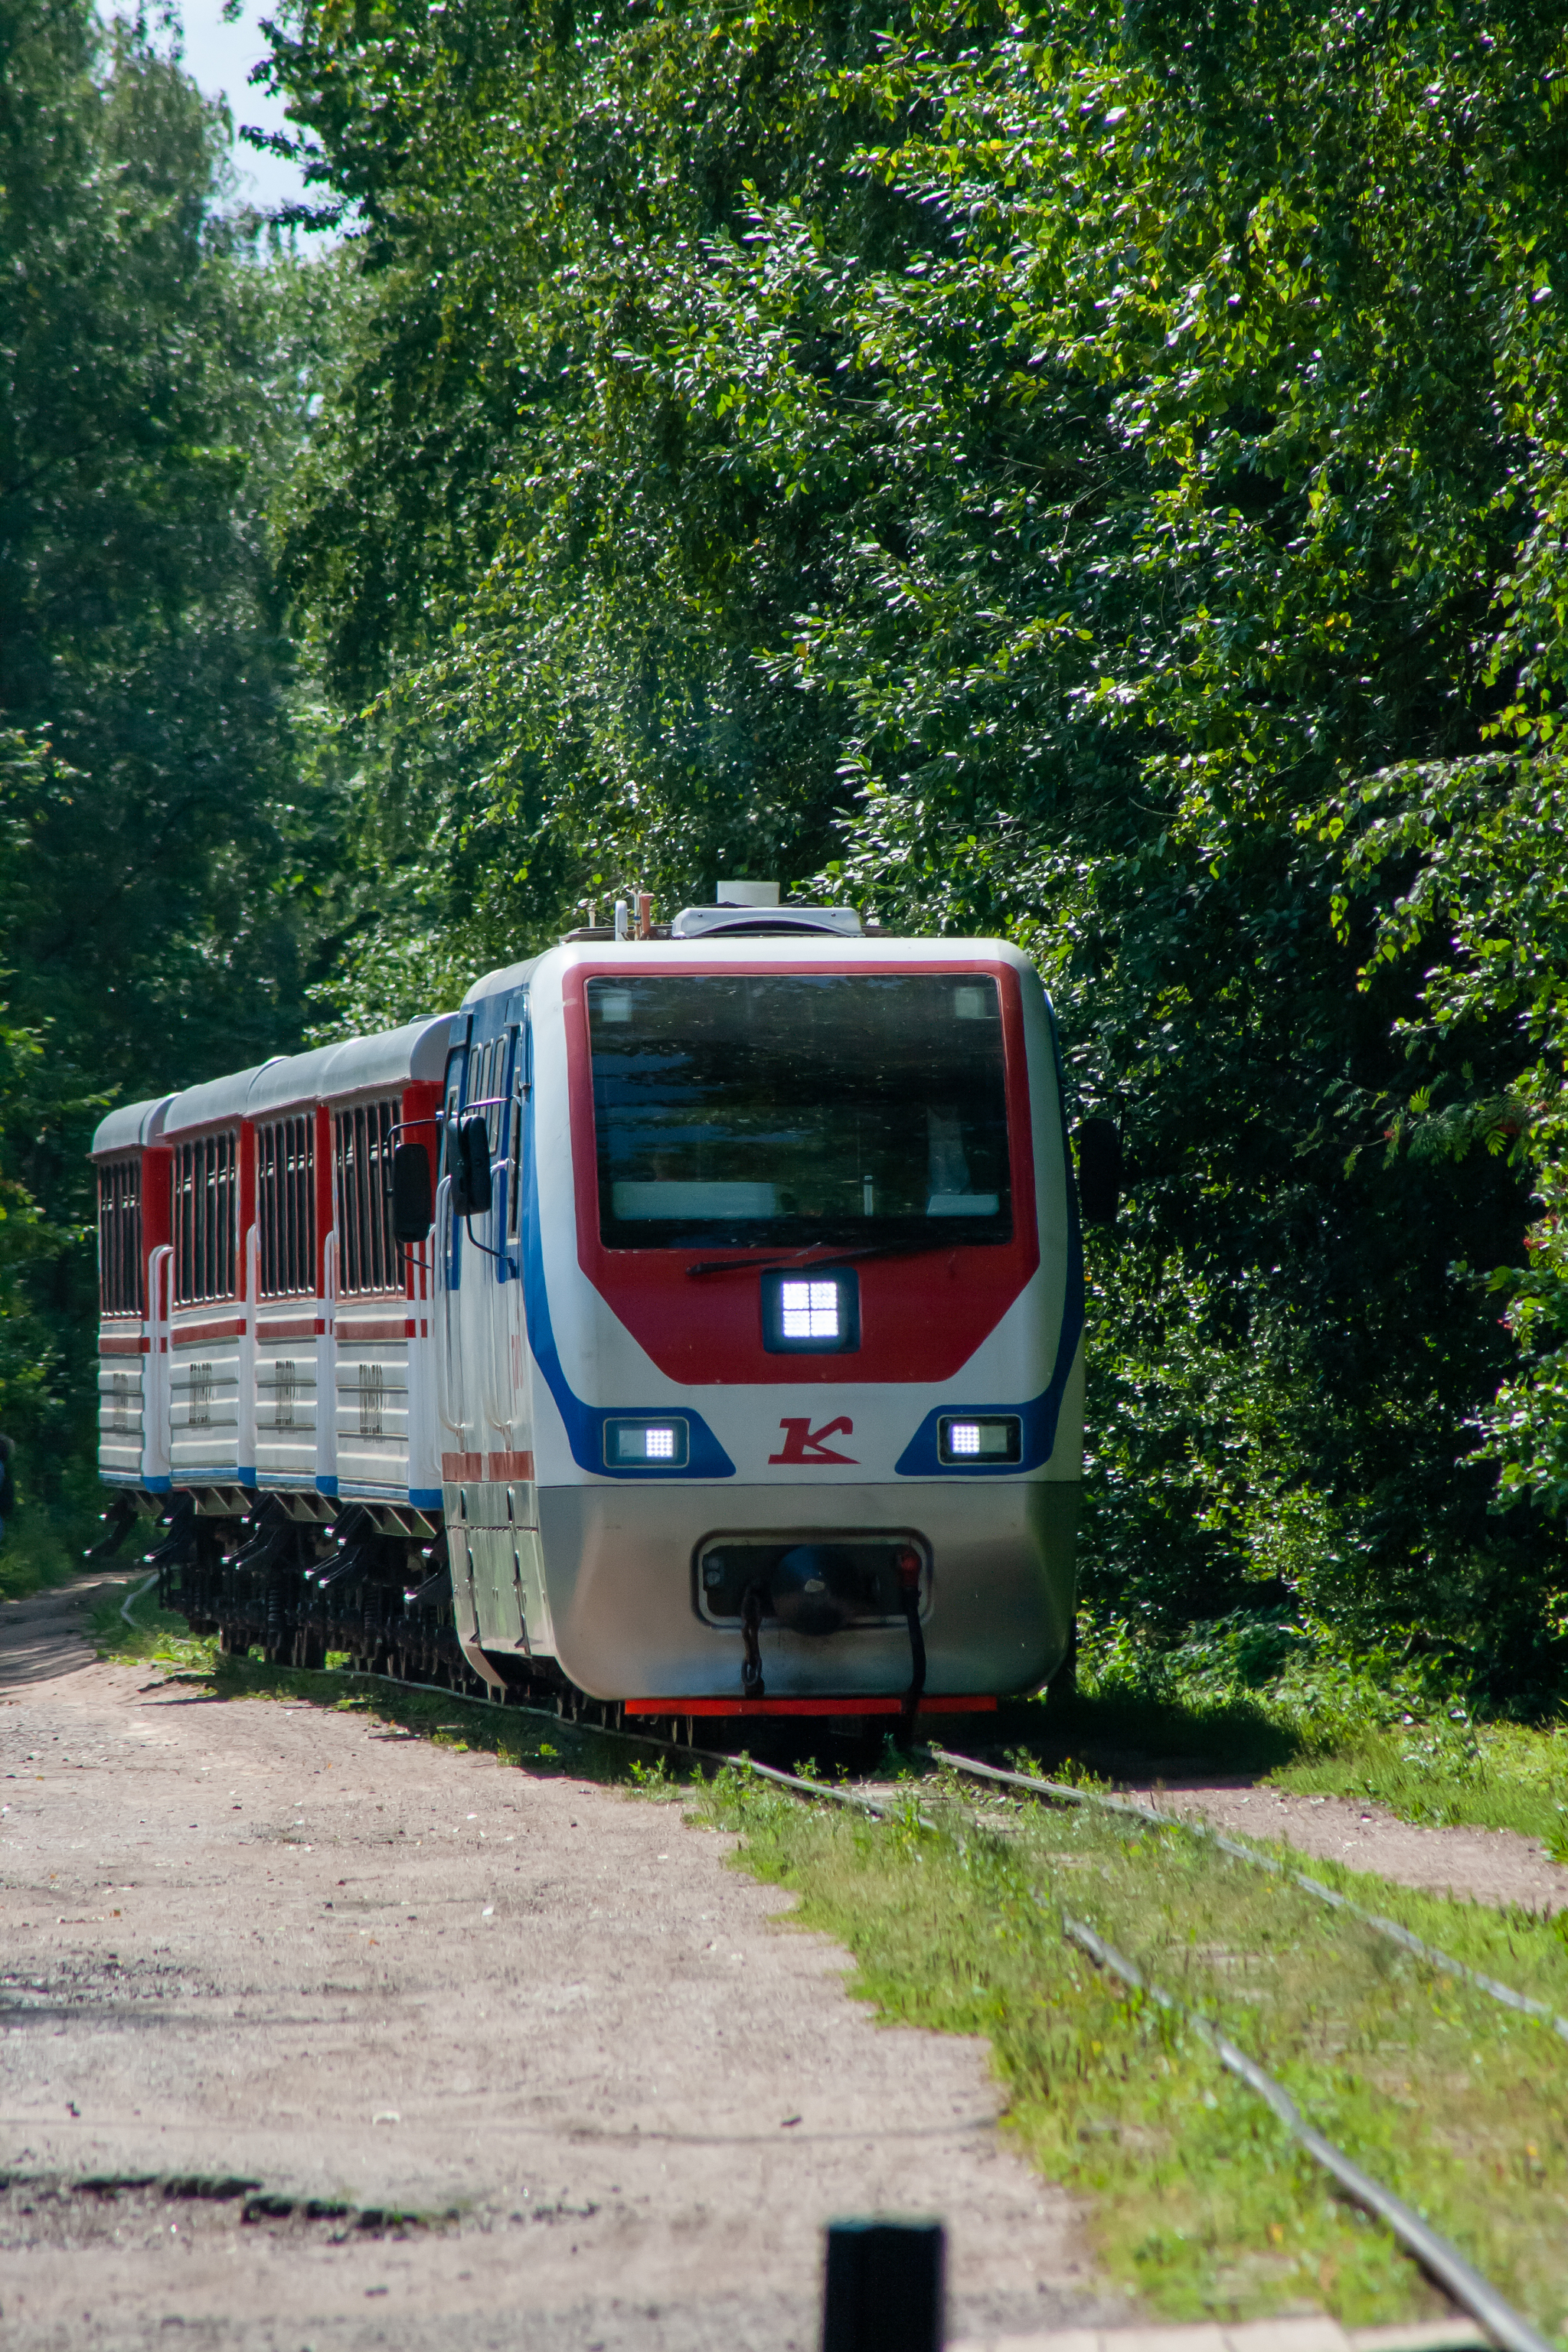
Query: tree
[(1064, 473), (157, 924)]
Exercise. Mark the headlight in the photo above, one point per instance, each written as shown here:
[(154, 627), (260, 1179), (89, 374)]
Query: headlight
[(651, 1445), (979, 1440), (811, 1312)]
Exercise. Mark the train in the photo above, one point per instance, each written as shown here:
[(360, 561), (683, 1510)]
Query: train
[(690, 1326)]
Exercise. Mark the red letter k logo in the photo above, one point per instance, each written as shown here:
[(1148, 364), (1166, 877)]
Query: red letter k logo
[(804, 1443)]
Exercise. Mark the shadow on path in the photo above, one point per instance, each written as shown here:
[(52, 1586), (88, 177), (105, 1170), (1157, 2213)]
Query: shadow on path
[(49, 1633)]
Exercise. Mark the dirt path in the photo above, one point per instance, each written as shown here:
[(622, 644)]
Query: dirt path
[(1480, 1865), (246, 1943)]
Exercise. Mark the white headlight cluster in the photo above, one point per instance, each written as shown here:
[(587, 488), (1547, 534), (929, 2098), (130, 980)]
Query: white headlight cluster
[(982, 1441), (808, 1310), (638, 1444)]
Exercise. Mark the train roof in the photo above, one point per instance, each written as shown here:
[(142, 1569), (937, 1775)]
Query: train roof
[(750, 936), (130, 1127), (356, 1065), (215, 1102), (505, 977), (394, 1058), (292, 1081)]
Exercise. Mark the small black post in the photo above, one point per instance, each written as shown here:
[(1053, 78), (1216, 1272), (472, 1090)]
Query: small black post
[(884, 2286)]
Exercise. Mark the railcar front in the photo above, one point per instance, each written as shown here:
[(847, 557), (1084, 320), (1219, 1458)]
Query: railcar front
[(771, 1320)]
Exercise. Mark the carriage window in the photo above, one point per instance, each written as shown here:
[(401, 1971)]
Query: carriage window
[(286, 1206), (206, 1194), (120, 1283), (487, 1074), (449, 1128), (855, 1110), (372, 1259)]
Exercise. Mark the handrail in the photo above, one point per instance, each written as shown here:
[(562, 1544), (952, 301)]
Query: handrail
[(440, 1245)]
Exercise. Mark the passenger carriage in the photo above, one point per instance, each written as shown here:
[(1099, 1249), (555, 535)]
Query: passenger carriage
[(691, 1323)]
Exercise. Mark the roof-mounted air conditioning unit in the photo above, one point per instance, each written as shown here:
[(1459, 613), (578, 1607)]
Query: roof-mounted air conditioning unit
[(763, 921)]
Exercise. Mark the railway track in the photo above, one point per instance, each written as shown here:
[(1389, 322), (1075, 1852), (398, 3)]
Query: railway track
[(1441, 2260), (1442, 2263)]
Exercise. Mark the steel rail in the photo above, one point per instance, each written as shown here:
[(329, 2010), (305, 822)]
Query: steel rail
[(879, 1806), (1063, 1792), (1442, 2261), (127, 1605), (508, 1707), (454, 1698)]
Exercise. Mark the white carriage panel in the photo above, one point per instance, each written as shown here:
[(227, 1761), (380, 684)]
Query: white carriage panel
[(372, 1413), (120, 1414), (286, 1414), (203, 1408), (286, 1393), (425, 1436)]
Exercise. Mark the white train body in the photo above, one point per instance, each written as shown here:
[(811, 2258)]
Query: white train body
[(777, 1299)]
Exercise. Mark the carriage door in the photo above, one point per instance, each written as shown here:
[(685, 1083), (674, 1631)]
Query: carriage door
[(513, 1413), (459, 1460), (451, 1383)]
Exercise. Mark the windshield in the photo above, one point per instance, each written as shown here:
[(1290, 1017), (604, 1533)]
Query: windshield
[(846, 1110)]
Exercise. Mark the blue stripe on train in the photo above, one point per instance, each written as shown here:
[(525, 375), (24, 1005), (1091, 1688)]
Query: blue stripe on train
[(706, 1458), (1039, 1416)]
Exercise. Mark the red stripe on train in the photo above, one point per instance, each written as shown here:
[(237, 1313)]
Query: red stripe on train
[(967, 1703), (506, 1466)]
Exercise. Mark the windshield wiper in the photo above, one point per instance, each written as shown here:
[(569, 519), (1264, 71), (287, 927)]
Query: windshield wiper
[(837, 1258)]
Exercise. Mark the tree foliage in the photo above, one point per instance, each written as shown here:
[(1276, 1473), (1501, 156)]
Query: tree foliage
[(1096, 476), (163, 835)]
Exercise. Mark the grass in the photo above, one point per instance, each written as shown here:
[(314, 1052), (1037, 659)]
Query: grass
[(155, 1637), (1283, 1702), (1438, 1769), (1202, 2205), (45, 1539), (1505, 1775), (512, 1734)]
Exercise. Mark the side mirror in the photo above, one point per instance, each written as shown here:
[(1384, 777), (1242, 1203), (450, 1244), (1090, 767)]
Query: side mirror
[(412, 1208), (1099, 1170), (471, 1170)]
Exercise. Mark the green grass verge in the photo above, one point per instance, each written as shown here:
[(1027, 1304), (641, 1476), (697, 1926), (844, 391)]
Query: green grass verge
[(1504, 1776), (1282, 1701), (152, 1636), (1441, 1770), (1254, 1698), (1202, 2205), (45, 1540), (513, 1735)]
